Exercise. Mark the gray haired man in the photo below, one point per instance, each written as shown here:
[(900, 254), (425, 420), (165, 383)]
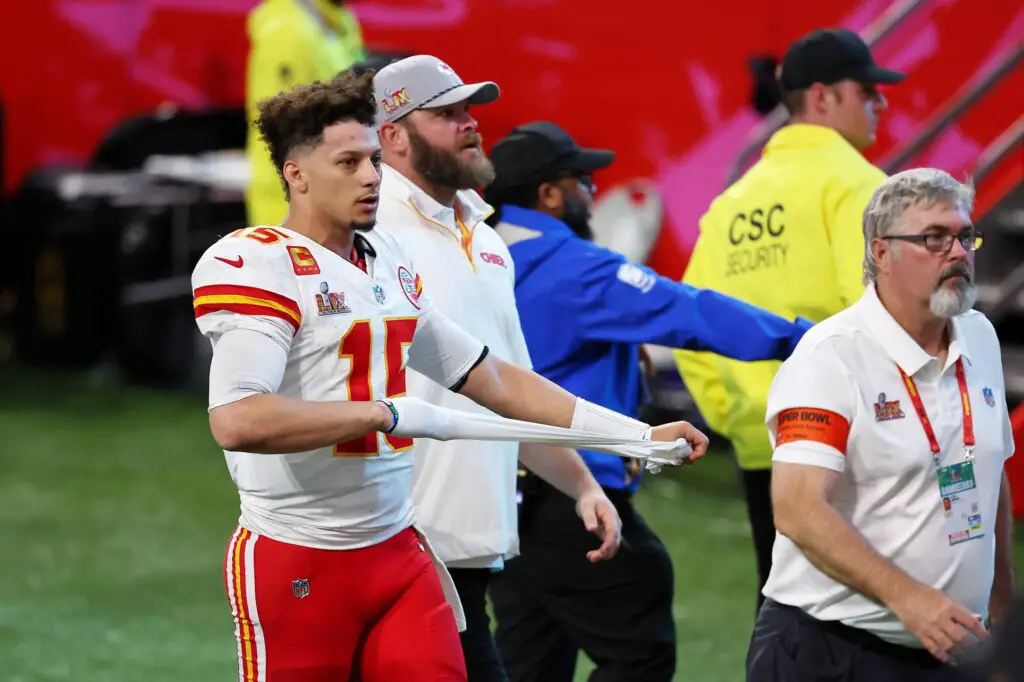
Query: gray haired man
[(890, 431)]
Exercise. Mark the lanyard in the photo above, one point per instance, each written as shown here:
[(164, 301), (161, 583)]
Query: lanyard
[(465, 239), (965, 404)]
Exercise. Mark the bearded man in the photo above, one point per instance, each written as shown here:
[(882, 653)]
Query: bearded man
[(466, 504), (890, 432)]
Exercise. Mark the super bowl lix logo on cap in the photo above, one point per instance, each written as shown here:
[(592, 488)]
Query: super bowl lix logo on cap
[(393, 101)]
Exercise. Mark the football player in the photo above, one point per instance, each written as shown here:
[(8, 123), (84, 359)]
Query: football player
[(326, 574)]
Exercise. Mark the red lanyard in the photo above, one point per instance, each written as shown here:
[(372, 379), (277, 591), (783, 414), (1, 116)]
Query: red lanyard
[(965, 404)]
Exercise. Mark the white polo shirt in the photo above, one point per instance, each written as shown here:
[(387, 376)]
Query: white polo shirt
[(889, 488), (464, 491)]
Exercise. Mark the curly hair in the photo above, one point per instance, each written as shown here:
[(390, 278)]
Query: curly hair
[(297, 117)]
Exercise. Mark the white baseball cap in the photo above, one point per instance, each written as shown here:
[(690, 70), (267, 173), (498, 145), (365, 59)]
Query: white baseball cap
[(421, 82)]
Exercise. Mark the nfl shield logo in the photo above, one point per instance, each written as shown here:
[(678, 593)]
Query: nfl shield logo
[(378, 293), (300, 588), (990, 398)]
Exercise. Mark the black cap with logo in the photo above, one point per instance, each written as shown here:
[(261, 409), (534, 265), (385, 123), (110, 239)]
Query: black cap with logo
[(538, 151), (828, 56)]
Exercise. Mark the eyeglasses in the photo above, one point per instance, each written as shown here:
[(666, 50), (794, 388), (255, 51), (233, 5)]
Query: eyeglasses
[(585, 181), (588, 184), (942, 242)]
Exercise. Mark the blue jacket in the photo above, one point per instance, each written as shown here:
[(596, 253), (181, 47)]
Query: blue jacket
[(585, 310)]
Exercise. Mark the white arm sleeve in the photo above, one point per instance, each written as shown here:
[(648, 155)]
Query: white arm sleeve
[(442, 350), (246, 362), (420, 419)]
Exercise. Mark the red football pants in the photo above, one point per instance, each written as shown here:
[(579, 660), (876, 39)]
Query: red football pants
[(376, 614)]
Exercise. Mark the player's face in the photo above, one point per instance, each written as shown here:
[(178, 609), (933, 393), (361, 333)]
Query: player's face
[(942, 281), (343, 175), (854, 111), (447, 150)]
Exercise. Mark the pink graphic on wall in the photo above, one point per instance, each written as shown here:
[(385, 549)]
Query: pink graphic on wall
[(690, 182)]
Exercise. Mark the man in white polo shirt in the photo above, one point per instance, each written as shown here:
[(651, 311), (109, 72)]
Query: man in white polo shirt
[(464, 491), (890, 430)]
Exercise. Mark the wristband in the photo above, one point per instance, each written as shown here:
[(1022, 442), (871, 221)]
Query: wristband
[(394, 415)]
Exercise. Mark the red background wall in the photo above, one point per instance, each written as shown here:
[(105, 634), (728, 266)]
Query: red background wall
[(665, 83)]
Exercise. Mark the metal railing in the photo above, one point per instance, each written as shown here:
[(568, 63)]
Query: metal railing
[(881, 27), (1007, 294), (951, 110), (994, 154)]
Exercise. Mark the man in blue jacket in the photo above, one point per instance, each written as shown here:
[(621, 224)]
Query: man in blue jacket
[(585, 311)]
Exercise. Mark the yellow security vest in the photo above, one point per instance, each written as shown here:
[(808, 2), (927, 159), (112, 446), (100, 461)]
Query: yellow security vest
[(290, 42), (786, 237)]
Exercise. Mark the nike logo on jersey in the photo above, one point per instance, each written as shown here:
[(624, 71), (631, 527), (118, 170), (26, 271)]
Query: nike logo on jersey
[(236, 263)]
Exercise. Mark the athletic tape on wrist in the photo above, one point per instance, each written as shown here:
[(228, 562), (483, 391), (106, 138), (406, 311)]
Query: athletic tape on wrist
[(587, 416)]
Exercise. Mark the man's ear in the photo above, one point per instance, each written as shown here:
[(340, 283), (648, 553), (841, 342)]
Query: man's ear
[(819, 99), (884, 252), (549, 196), (393, 137), (294, 176)]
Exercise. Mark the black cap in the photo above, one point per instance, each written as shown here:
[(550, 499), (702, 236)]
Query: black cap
[(537, 151), (828, 56)]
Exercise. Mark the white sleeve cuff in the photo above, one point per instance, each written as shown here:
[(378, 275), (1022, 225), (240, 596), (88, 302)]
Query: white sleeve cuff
[(245, 362), (812, 454), (441, 350)]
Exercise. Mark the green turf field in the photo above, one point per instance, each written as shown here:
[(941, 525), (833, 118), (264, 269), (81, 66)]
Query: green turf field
[(116, 507)]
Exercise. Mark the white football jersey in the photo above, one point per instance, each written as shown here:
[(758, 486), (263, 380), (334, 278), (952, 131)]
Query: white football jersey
[(350, 334)]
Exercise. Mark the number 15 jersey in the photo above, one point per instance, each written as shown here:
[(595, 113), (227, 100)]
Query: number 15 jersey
[(345, 334)]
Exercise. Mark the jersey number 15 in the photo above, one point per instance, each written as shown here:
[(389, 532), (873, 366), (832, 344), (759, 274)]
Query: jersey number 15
[(357, 347)]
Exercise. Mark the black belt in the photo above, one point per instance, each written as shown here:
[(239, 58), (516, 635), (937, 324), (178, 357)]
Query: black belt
[(867, 641)]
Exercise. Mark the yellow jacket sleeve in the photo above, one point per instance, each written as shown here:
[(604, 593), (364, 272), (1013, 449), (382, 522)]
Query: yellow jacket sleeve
[(699, 370), (278, 59), (846, 235)]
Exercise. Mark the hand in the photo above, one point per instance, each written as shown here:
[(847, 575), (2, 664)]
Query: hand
[(685, 430), (941, 624), (600, 518), (646, 363)]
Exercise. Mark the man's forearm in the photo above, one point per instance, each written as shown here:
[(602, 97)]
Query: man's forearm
[(1004, 578), (838, 550), (561, 467), (272, 423), (517, 393)]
